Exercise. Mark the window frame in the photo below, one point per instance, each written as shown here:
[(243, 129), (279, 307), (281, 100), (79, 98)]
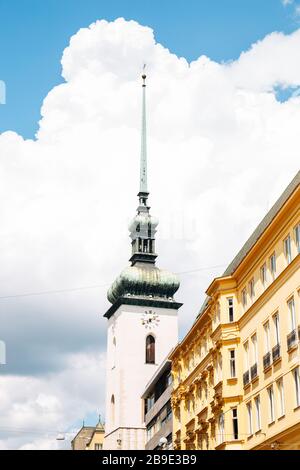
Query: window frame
[(257, 413), (272, 416), (288, 249)]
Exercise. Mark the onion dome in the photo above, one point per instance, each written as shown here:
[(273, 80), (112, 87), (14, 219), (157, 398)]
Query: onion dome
[(144, 280)]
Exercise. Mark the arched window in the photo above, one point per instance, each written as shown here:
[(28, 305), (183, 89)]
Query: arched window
[(112, 409), (150, 350)]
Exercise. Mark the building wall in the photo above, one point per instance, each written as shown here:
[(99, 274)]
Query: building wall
[(97, 440), (205, 392), (128, 374)]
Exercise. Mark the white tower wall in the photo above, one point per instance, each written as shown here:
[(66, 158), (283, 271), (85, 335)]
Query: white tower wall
[(128, 373)]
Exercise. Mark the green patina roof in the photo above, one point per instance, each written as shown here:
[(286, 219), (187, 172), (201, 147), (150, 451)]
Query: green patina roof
[(144, 280)]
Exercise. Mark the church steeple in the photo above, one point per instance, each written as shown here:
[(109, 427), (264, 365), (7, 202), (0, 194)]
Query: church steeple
[(143, 279), (143, 227)]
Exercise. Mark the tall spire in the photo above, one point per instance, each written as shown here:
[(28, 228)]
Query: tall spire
[(143, 170)]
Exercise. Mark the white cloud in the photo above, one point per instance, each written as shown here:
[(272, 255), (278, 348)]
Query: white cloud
[(220, 142), (287, 2)]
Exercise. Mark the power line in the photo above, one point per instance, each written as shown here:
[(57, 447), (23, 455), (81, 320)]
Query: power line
[(94, 286)]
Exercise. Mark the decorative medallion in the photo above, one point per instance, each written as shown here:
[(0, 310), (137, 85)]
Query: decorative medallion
[(150, 319)]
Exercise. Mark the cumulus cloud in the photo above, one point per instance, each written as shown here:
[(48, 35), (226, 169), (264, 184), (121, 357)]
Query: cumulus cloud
[(219, 141)]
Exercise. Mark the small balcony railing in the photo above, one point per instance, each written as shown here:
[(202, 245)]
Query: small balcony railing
[(267, 360), (276, 353), (254, 371), (246, 378), (291, 339)]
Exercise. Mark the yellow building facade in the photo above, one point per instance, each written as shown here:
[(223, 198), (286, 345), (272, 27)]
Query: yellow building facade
[(236, 374)]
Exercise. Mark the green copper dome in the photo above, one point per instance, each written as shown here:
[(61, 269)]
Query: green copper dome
[(144, 280)]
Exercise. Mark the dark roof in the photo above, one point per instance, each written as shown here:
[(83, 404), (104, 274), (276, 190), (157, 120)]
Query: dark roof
[(257, 233)]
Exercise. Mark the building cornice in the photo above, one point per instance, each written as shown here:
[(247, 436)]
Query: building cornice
[(144, 302)]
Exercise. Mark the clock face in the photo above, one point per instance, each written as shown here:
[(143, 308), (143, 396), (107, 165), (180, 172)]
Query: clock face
[(150, 319)]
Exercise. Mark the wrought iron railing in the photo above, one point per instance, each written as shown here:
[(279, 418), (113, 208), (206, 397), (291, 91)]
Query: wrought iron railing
[(276, 352), (267, 360), (254, 371), (246, 378), (291, 339)]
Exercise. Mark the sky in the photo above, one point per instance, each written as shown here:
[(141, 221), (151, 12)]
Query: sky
[(223, 119), (34, 33)]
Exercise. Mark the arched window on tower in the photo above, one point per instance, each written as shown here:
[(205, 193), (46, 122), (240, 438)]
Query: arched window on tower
[(150, 350)]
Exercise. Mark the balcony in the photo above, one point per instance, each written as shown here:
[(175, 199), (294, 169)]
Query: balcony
[(291, 340), (254, 371), (276, 353), (246, 378), (267, 360)]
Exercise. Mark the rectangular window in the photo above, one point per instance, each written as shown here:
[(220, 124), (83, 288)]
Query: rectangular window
[(232, 363), (254, 349), (230, 310), (235, 424), (271, 404), (258, 413), (273, 265), (297, 237), (246, 356), (267, 337), (251, 290), (276, 328), (249, 413), (263, 275), (296, 373), (291, 305), (244, 297), (281, 407), (287, 249), (221, 428)]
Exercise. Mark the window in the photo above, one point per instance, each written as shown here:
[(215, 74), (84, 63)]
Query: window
[(251, 290), (230, 310), (271, 404), (235, 423), (297, 237), (273, 265), (287, 249), (244, 297), (291, 305), (249, 413), (150, 350), (258, 413), (281, 397), (246, 356), (254, 349), (267, 337), (297, 385), (221, 428), (263, 274), (276, 328), (232, 363)]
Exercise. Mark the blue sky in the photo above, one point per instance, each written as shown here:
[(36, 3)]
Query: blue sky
[(34, 33)]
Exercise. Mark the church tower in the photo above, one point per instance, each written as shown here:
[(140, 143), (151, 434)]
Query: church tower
[(142, 323)]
